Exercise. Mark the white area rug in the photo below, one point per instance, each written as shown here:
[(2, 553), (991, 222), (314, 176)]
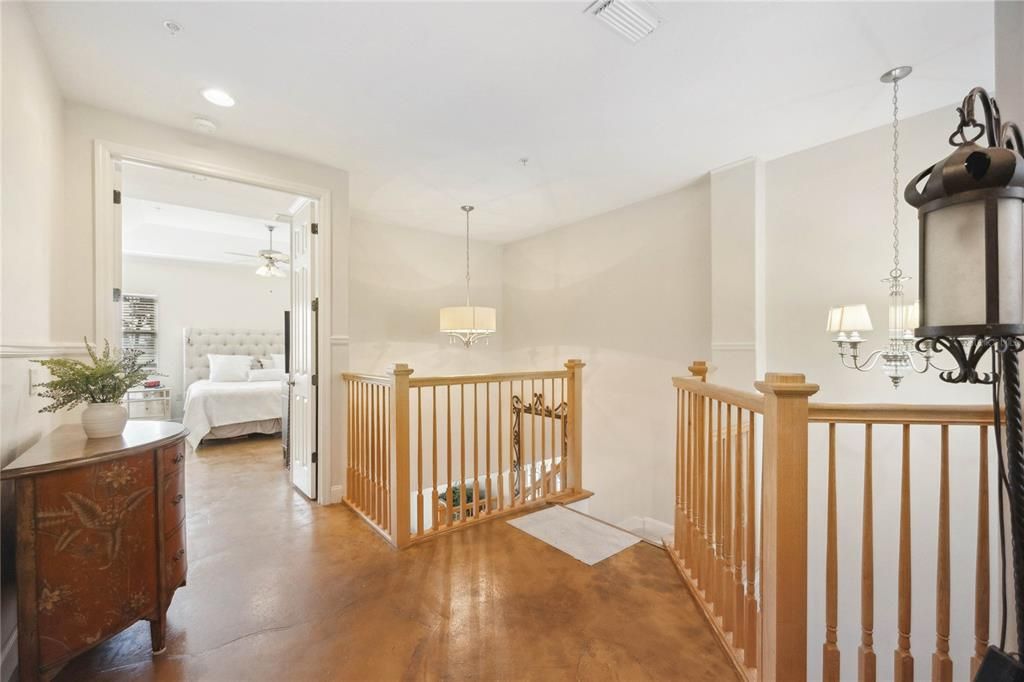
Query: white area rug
[(579, 536)]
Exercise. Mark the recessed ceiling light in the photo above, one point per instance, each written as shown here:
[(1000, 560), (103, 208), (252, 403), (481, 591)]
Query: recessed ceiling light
[(173, 27), (218, 97), (204, 125), (632, 19)]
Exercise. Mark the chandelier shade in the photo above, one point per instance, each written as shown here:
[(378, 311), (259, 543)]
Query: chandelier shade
[(849, 318)]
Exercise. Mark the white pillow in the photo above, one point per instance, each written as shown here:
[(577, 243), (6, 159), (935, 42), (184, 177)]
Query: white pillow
[(229, 367), (278, 360), (266, 374)]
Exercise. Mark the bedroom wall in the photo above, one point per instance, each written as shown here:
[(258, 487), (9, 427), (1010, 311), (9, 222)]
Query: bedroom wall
[(627, 292), (30, 224), (400, 278), (196, 294)]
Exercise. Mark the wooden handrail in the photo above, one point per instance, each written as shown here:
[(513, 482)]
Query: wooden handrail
[(366, 378), (883, 413), (732, 396), (486, 378)]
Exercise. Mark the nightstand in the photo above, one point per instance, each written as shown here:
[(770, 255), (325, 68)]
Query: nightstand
[(148, 403)]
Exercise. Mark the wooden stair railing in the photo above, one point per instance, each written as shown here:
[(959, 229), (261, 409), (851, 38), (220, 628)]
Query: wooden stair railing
[(726, 546), (432, 454)]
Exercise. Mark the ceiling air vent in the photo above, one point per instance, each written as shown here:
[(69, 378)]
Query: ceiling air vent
[(632, 20)]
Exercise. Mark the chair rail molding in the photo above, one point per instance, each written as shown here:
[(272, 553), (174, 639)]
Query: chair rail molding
[(340, 339), (42, 349), (733, 345)]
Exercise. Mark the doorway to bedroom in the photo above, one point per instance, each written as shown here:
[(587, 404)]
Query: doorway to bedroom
[(217, 295)]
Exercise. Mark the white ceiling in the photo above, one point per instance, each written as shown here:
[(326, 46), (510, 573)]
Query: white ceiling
[(170, 214), (430, 105)]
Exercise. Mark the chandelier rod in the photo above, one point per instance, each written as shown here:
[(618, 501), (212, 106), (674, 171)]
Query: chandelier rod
[(467, 209)]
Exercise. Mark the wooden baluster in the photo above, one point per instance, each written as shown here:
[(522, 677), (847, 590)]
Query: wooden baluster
[(942, 664), (374, 474), (501, 467), (462, 453), (708, 529), (739, 636), (475, 507), (719, 514), (386, 453), (689, 499), (419, 461), (522, 443), (433, 464), (866, 663), (511, 446), (348, 431), (981, 569), (678, 531), (364, 486), (488, 493), (830, 650), (728, 607), (533, 442), (783, 647), (554, 471), (903, 659), (543, 444), (449, 495), (750, 601)]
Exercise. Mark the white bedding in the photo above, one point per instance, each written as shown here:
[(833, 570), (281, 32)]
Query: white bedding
[(212, 403)]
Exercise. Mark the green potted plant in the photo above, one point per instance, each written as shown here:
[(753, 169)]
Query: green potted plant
[(101, 383)]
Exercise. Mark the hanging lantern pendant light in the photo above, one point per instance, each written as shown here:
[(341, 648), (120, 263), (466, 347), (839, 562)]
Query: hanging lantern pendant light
[(468, 323)]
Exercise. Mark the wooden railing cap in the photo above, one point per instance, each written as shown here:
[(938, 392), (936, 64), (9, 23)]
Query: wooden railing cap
[(786, 384), (400, 369), (575, 362), (699, 368)]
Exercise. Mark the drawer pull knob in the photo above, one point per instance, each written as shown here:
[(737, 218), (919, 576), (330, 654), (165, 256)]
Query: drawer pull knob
[(177, 499), (178, 457), (179, 554)]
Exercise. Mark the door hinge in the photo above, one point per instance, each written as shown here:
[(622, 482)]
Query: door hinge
[(117, 196), (314, 228), (316, 305), (117, 295), (316, 379)]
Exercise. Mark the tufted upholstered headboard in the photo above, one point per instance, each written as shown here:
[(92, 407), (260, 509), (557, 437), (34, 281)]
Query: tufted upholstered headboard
[(198, 343)]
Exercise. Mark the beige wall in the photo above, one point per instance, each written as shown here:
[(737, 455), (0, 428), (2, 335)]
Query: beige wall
[(626, 291), (400, 278), (30, 226)]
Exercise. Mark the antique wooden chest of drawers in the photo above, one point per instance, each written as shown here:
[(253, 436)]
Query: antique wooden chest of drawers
[(100, 538)]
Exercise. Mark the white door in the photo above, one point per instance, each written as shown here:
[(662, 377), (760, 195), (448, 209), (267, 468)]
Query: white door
[(302, 430)]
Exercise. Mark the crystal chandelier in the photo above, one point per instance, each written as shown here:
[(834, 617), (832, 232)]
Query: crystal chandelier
[(899, 357), (468, 323)]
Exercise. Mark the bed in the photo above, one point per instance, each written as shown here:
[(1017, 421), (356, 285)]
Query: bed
[(229, 409)]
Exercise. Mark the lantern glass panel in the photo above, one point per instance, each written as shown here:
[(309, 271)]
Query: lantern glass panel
[(1010, 214), (954, 265)]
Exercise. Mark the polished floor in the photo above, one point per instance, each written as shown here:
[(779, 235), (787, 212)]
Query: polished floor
[(281, 589)]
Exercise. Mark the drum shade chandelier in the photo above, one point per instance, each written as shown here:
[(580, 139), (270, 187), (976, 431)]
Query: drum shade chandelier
[(468, 323)]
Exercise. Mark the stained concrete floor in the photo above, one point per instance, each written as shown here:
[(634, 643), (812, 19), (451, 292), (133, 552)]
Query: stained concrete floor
[(281, 589)]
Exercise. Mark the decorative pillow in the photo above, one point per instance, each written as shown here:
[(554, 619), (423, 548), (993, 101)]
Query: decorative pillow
[(266, 374), (278, 360), (229, 367)]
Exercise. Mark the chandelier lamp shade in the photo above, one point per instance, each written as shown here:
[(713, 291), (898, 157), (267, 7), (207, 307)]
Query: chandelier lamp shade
[(901, 354), (468, 323)]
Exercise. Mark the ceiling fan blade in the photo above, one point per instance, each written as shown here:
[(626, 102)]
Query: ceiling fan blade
[(246, 255)]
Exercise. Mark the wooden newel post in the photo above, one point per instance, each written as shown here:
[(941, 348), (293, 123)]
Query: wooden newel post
[(699, 369), (574, 387), (783, 649), (398, 455)]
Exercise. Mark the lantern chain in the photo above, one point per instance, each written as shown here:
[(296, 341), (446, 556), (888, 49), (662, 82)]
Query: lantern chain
[(896, 272)]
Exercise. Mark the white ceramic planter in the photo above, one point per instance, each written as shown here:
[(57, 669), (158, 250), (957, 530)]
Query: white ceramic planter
[(103, 420)]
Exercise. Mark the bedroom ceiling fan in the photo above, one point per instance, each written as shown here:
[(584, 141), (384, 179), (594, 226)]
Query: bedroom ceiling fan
[(271, 258)]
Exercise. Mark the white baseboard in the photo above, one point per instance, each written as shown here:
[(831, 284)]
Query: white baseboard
[(649, 529), (337, 494), (9, 658)]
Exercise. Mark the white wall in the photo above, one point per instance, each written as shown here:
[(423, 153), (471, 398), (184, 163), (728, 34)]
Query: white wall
[(627, 292), (400, 278), (829, 224), (196, 294)]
